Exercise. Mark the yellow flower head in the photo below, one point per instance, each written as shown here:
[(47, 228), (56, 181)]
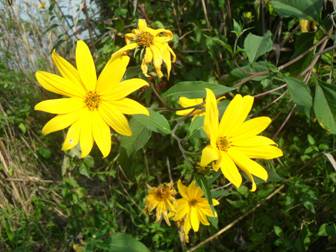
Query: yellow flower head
[(155, 45), (161, 198), (91, 106), (187, 102), (192, 209), (235, 142)]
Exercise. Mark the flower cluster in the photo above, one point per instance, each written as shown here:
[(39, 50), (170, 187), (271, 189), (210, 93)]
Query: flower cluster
[(188, 211), (91, 106)]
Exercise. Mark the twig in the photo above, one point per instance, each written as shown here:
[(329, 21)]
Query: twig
[(270, 91), (206, 14), (233, 223), (285, 121)]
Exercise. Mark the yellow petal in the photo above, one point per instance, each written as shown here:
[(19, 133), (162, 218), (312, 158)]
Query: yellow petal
[(183, 190), (58, 85), (209, 154), (112, 74), (86, 66), (60, 122), (182, 209), (67, 70), (86, 138), (60, 106), (230, 170), (211, 117), (194, 191), (251, 141), (123, 50), (248, 164), (129, 107), (235, 114), (215, 202), (124, 88), (142, 24), (116, 120), (148, 57), (203, 218), (262, 152), (166, 58), (194, 219), (252, 127), (162, 36), (157, 60), (101, 134), (172, 53), (72, 137)]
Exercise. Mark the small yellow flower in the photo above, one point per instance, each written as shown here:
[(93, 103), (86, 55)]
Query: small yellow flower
[(161, 198), (235, 142), (187, 102), (155, 44), (192, 209), (42, 5), (91, 105)]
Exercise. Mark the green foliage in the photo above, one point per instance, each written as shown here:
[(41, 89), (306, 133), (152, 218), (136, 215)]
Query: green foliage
[(51, 200)]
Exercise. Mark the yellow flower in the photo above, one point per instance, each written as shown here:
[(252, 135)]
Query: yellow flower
[(235, 142), (187, 102), (162, 199), (192, 209), (155, 44), (91, 105)]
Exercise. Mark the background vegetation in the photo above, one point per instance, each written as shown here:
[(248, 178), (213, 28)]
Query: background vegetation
[(55, 201)]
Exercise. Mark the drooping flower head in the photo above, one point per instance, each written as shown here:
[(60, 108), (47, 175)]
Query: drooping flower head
[(186, 102), (234, 141), (91, 106), (193, 208), (155, 45), (162, 199)]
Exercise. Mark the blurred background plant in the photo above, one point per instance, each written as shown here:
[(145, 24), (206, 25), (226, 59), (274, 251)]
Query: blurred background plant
[(280, 51)]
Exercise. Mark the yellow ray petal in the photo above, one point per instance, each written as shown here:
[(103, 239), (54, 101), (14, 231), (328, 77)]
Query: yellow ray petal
[(142, 24), (172, 53), (215, 202), (166, 58), (157, 60), (187, 102), (209, 154), (112, 74), (67, 70), (252, 127), (194, 191), (58, 85), (60, 106), (86, 138), (248, 164), (262, 152), (123, 50), (235, 114), (251, 141), (182, 189), (202, 217), (86, 66), (124, 88), (194, 219), (101, 134), (230, 170), (211, 117), (162, 36), (182, 209), (129, 107), (60, 122), (147, 59), (72, 136), (114, 119)]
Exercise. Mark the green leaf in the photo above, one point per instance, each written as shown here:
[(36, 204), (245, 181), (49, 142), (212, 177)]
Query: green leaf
[(125, 243), (327, 230), (298, 8), (195, 125), (300, 93), (256, 46), (195, 89), (154, 122), (325, 106), (138, 139)]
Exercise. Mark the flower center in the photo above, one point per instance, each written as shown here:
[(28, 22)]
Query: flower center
[(223, 143), (92, 100), (193, 202), (163, 192), (145, 39)]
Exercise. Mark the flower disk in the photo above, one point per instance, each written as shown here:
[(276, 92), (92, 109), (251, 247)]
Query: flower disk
[(91, 106), (234, 142)]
